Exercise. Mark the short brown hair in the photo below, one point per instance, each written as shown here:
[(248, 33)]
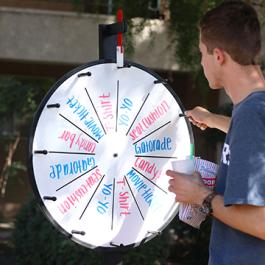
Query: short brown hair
[(234, 27)]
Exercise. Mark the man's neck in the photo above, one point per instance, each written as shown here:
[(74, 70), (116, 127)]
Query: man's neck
[(241, 81)]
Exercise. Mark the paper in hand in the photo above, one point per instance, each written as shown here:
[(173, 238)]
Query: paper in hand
[(190, 213)]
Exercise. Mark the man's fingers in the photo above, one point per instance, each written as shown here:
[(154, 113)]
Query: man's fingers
[(188, 113), (170, 173), (194, 121), (175, 174), (171, 182)]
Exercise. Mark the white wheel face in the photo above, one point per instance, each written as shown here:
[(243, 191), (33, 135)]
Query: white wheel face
[(100, 148)]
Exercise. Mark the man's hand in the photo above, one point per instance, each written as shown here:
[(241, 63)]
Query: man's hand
[(187, 188), (203, 118), (199, 117)]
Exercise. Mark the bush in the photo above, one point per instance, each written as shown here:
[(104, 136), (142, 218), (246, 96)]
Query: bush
[(190, 245), (37, 242)]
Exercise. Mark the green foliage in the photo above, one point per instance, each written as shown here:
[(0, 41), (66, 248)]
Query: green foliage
[(191, 245), (184, 19), (17, 167), (38, 243), (20, 96), (75, 2), (132, 8)]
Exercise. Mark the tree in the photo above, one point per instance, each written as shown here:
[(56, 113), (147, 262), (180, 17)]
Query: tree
[(19, 98), (182, 17)]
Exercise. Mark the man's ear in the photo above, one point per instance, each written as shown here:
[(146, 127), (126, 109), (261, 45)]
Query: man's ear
[(219, 55)]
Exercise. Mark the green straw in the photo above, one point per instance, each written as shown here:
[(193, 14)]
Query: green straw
[(191, 151)]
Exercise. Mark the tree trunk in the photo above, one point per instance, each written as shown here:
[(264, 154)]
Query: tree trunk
[(8, 162)]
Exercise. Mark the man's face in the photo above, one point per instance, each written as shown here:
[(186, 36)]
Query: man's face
[(210, 67)]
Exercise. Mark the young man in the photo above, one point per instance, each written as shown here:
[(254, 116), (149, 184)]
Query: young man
[(230, 44)]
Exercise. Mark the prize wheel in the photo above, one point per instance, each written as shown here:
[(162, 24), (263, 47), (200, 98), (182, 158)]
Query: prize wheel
[(101, 142)]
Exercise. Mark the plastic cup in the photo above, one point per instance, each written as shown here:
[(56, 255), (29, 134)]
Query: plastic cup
[(185, 166)]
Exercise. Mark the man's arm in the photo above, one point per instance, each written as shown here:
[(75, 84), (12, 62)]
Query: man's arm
[(191, 189), (203, 118), (246, 218)]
